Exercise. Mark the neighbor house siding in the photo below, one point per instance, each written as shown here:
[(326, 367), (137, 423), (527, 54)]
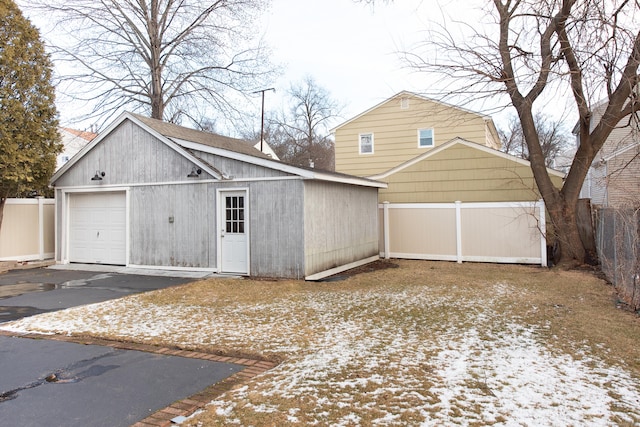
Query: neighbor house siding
[(395, 133), (598, 185), (623, 182), (616, 181), (614, 176), (461, 173), (341, 225)]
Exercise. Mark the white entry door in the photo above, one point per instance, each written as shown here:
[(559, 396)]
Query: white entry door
[(97, 228), (233, 232)]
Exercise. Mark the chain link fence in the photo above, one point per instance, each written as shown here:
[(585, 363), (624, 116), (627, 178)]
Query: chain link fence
[(618, 245)]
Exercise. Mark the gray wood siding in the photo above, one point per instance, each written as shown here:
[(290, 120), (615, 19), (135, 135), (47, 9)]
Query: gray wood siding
[(238, 169), (129, 155), (59, 209), (185, 242), (341, 225), (276, 228)]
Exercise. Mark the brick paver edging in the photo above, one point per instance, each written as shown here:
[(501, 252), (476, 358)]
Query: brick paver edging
[(184, 407)]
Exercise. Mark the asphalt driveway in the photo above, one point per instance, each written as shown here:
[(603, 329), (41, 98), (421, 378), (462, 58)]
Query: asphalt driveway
[(93, 386), (27, 292), (52, 383)]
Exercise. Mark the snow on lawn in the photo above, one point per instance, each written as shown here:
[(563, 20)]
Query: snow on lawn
[(380, 356)]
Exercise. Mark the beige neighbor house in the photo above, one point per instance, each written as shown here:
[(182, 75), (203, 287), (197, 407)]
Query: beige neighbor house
[(403, 127), (452, 194), (431, 152), (613, 179)]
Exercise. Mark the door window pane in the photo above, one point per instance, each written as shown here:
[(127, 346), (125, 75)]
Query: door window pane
[(234, 214)]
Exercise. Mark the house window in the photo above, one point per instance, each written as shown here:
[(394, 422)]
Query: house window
[(366, 143), (425, 138)]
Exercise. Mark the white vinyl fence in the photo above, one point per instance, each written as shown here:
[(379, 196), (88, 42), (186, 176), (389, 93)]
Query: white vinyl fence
[(502, 232), (27, 231)]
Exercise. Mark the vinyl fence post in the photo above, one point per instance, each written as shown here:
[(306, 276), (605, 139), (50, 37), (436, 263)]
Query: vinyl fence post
[(543, 233), (459, 232), (385, 222), (40, 227)]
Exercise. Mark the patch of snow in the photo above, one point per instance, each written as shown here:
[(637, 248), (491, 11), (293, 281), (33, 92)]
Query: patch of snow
[(364, 353)]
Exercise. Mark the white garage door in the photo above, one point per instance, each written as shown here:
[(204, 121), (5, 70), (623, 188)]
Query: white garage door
[(97, 228)]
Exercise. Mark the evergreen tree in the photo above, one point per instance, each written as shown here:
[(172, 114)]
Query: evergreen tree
[(29, 139)]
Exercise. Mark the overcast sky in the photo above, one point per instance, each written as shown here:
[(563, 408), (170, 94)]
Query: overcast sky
[(349, 48)]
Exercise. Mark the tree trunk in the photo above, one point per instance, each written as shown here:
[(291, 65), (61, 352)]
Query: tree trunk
[(571, 250), (561, 205), (155, 40)]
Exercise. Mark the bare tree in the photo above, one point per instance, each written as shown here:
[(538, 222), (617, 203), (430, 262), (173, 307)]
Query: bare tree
[(533, 51), (170, 59), (300, 133), (554, 138)]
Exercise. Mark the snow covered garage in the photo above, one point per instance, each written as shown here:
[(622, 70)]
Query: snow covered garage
[(146, 193)]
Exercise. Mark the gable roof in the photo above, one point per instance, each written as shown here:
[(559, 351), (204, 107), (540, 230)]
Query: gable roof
[(184, 141), (466, 143), (172, 131), (413, 95), (87, 136)]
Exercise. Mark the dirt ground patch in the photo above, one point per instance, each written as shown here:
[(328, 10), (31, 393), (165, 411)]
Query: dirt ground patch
[(398, 343)]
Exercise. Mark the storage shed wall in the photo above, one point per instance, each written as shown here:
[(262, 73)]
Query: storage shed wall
[(276, 224), (340, 223)]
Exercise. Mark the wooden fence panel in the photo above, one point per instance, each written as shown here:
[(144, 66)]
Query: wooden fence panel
[(510, 232)]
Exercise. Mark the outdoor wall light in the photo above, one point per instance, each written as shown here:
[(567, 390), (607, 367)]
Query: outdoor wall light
[(98, 176), (194, 172)]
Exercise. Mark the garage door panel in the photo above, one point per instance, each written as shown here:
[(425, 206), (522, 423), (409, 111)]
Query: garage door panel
[(97, 228)]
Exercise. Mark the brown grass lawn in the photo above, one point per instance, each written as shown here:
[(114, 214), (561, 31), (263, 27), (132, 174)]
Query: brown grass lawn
[(420, 342)]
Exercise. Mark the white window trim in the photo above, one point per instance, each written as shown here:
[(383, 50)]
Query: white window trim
[(360, 143), (433, 138)]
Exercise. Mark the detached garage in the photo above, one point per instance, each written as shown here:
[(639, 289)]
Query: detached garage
[(146, 193)]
